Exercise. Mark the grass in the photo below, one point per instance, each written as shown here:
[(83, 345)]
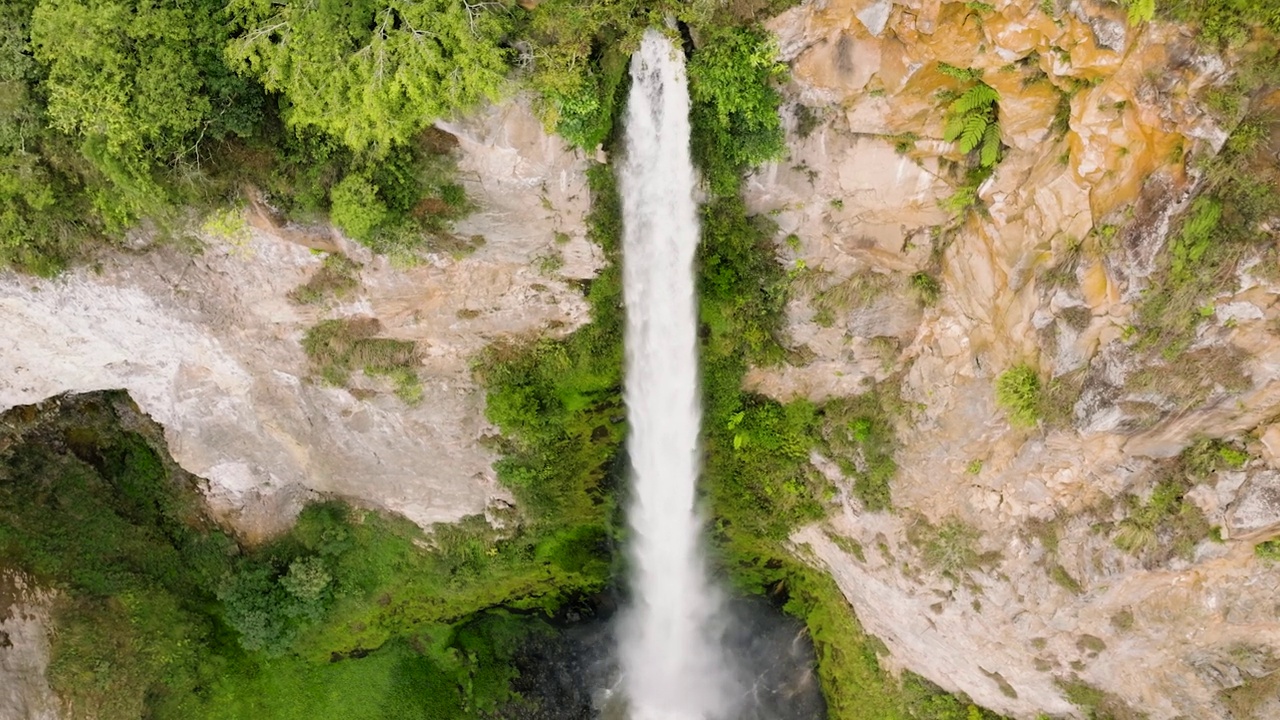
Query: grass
[(1221, 229), (337, 348), (164, 616), (1098, 704), (831, 301), (337, 278), (1166, 524), (858, 434), (1268, 550), (950, 548), (1189, 379), (1059, 575), (1018, 391)]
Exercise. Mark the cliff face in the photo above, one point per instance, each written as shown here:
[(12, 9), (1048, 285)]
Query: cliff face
[(208, 342), (1050, 274)]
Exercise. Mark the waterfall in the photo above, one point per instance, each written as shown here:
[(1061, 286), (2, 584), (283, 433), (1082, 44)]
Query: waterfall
[(669, 646)]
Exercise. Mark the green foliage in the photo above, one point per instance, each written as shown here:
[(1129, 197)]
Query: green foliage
[(143, 115), (1224, 22), (140, 86), (735, 116), (971, 119), (580, 65), (1018, 392), (559, 402), (337, 277), (858, 434), (1205, 457), (105, 524), (395, 203), (1223, 227), (356, 208), (1268, 550), (339, 347), (927, 289), (967, 75), (1193, 241), (44, 220), (1140, 11), (742, 287), (1167, 524), (926, 700), (372, 73), (350, 614)]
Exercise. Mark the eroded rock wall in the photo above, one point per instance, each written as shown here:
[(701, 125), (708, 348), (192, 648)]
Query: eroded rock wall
[(24, 650), (207, 342), (858, 202)]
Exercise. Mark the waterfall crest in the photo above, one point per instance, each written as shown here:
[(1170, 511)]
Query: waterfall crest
[(669, 644)]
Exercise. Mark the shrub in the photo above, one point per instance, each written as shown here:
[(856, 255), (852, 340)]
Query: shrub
[(356, 207), (926, 288), (1018, 392), (735, 116), (339, 347), (1268, 550), (337, 277)]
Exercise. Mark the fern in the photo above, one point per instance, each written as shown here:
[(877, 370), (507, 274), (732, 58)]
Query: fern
[(979, 97), (1140, 11), (975, 126), (990, 154), (972, 117)]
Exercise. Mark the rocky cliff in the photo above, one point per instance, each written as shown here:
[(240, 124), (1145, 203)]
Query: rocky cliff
[(1050, 270), (208, 342)]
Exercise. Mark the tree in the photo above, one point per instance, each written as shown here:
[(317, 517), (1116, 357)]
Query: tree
[(122, 77), (372, 73), (141, 84), (36, 216)]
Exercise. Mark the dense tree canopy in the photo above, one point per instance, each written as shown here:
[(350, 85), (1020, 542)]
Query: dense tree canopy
[(140, 85), (372, 73)]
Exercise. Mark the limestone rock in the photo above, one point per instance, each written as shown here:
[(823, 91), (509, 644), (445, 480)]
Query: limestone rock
[(208, 344), (24, 650), (1255, 513), (1047, 269)]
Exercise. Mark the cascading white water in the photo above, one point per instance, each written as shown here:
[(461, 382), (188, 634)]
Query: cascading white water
[(673, 664)]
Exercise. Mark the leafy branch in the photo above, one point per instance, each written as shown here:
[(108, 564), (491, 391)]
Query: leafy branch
[(972, 120)]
